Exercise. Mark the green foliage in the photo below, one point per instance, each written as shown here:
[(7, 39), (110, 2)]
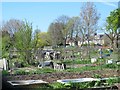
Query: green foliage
[(8, 30), (83, 85), (58, 86), (43, 39), (23, 37), (5, 45), (19, 72), (84, 44), (112, 66), (23, 41), (112, 81), (84, 68), (76, 61), (41, 87), (113, 21), (97, 76), (5, 72), (31, 72), (45, 70)]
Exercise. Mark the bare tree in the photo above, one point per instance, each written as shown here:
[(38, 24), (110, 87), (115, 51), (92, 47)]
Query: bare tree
[(63, 20), (55, 32), (12, 26), (89, 18), (73, 27)]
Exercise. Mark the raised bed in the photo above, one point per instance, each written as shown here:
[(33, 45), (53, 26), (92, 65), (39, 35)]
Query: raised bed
[(88, 83), (65, 81), (25, 85), (26, 82)]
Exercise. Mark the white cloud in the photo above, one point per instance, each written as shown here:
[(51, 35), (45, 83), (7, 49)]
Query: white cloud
[(110, 4)]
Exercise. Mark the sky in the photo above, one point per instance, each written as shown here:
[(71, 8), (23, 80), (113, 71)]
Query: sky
[(41, 14)]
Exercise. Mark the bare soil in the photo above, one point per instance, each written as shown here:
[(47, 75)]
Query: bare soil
[(52, 77)]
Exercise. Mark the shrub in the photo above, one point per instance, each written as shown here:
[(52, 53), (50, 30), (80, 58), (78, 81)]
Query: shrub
[(111, 66), (58, 86), (19, 72), (5, 72), (111, 81), (97, 76)]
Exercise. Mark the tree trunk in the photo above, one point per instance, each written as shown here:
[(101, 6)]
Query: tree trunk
[(112, 44), (28, 57), (88, 49), (65, 42)]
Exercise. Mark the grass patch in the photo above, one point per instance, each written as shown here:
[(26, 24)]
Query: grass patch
[(84, 68), (34, 71), (89, 67), (45, 70), (69, 62), (111, 66)]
